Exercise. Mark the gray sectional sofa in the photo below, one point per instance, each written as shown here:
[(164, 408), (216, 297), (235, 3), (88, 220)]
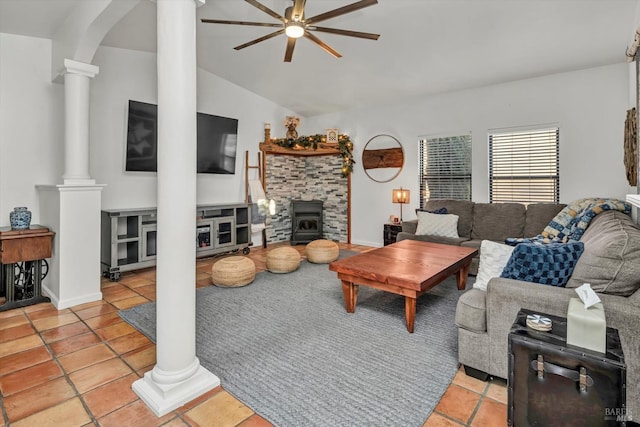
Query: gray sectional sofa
[(610, 263), (490, 221)]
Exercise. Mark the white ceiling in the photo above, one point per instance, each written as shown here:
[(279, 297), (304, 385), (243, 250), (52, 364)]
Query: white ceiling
[(425, 46)]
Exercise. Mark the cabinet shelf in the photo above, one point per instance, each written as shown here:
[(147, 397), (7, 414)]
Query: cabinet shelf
[(125, 238), (128, 236)]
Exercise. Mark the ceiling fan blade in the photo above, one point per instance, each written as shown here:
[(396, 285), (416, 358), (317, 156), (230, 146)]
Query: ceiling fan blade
[(255, 24), (350, 33), (322, 44), (266, 10), (341, 11), (298, 10), (260, 39), (288, 54)]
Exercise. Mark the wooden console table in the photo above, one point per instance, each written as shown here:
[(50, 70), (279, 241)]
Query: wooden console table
[(23, 252)]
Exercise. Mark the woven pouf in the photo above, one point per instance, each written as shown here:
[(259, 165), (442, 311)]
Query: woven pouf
[(233, 271), (283, 260), (322, 251)]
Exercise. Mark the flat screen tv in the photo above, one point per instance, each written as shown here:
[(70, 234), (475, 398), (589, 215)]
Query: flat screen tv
[(216, 141), (142, 131)]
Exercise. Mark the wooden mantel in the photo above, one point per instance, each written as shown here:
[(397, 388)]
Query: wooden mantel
[(324, 149)]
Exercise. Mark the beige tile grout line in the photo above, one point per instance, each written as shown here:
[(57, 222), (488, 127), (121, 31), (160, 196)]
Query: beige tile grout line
[(484, 397), (177, 414), (55, 358), (64, 373)]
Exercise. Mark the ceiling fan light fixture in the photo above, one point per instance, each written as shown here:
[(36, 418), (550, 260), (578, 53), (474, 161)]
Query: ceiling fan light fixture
[(294, 29)]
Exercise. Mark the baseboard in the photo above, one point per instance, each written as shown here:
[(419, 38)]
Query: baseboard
[(71, 302), (46, 291), (367, 243)]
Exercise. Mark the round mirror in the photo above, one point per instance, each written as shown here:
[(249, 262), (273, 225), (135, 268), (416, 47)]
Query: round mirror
[(383, 158)]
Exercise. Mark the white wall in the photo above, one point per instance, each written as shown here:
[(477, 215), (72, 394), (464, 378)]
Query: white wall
[(32, 126), (126, 74), (31, 123), (589, 106)]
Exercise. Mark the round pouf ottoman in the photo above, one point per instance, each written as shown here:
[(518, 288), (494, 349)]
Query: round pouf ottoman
[(233, 271), (283, 260), (322, 251)]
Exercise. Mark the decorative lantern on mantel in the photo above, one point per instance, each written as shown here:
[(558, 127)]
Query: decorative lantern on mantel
[(267, 132)]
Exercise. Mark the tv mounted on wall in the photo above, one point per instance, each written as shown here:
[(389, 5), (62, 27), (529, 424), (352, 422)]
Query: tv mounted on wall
[(142, 130), (216, 141)]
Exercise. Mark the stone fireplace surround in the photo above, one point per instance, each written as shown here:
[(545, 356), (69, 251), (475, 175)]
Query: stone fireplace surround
[(294, 177)]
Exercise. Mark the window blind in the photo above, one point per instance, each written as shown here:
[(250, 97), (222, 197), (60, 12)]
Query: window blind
[(445, 168), (524, 166)]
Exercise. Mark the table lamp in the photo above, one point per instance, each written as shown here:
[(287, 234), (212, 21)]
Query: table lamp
[(401, 196)]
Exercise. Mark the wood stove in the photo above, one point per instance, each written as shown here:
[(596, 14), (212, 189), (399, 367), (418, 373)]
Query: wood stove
[(306, 221)]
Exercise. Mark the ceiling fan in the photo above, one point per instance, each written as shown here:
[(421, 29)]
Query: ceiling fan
[(295, 25)]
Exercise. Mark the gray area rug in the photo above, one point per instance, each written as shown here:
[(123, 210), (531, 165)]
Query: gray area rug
[(286, 347)]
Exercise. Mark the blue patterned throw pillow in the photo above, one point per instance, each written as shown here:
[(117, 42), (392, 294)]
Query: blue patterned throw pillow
[(544, 263)]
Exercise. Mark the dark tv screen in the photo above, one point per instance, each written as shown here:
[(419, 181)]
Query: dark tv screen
[(216, 141), (142, 131)]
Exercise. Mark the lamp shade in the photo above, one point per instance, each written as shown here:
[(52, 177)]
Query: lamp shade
[(401, 195)]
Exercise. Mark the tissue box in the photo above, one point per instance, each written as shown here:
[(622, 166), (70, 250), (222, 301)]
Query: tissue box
[(586, 328)]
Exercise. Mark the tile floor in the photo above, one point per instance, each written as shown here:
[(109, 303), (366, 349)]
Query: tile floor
[(75, 367)]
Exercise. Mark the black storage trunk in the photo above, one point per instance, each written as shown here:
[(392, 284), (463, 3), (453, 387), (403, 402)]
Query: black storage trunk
[(553, 384)]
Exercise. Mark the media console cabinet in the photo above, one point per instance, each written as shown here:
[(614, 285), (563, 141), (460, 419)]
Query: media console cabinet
[(128, 236)]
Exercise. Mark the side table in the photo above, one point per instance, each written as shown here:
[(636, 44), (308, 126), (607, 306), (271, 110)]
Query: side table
[(553, 383), (390, 233), (22, 256)]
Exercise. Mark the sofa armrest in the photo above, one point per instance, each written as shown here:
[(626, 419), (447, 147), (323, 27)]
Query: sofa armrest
[(505, 297), (410, 226)]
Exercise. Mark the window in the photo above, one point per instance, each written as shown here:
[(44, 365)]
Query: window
[(524, 166), (445, 168)]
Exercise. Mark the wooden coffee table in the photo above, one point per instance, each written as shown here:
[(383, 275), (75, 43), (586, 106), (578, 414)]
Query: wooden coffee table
[(408, 268)]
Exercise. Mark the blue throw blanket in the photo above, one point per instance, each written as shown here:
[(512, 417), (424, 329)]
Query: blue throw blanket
[(571, 222)]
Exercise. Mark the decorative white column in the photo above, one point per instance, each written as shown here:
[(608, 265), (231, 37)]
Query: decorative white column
[(76, 102), (178, 376), (72, 209)]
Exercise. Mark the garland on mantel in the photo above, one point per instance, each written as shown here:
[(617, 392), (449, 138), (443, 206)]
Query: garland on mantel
[(345, 146)]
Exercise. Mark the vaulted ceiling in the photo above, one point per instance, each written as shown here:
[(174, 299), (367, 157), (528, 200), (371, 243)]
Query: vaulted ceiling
[(425, 46)]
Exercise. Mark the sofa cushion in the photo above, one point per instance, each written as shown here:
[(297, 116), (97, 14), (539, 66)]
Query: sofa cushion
[(544, 263), (611, 258), (443, 225), (431, 239), (497, 221), (538, 216), (462, 208), (471, 311), (440, 211), (493, 258)]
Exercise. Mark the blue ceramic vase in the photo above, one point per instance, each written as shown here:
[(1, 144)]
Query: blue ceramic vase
[(20, 218)]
